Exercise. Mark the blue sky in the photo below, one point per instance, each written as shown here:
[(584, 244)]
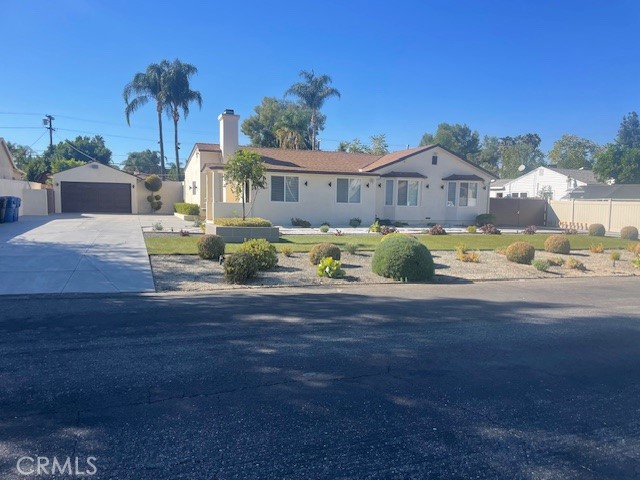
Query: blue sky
[(502, 67)]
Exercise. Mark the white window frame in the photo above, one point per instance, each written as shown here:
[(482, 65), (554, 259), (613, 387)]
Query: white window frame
[(408, 182), (451, 203), (285, 180), (469, 188), (387, 191), (349, 181)]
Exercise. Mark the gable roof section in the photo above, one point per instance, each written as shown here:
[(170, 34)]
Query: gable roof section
[(395, 157), (5, 147), (585, 176), (99, 165), (618, 192)]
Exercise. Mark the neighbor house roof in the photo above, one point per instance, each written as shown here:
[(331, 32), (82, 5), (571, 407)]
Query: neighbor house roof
[(500, 183), (404, 174), (584, 176), (5, 147), (320, 161), (619, 192), (208, 147)]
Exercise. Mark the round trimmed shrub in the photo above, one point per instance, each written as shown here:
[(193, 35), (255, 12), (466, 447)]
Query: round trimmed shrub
[(211, 247), (240, 267), (403, 258), (597, 230), (521, 252), (153, 183), (629, 233), (265, 254), (323, 250), (557, 244)]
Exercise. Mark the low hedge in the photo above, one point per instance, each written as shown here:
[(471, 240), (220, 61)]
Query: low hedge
[(629, 233), (557, 244), (240, 267), (597, 230), (186, 208), (264, 253), (403, 258), (238, 222), (323, 250), (211, 247), (521, 252)]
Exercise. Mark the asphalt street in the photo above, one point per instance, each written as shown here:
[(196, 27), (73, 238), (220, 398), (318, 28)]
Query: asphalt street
[(505, 380)]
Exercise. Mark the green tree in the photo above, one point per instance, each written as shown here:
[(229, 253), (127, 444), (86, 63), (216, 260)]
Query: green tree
[(82, 148), (177, 96), (458, 138), (36, 169), (146, 161), (274, 115), (147, 86), (312, 93), (520, 150), (61, 164), (489, 156), (629, 132), (378, 145), (22, 154), (571, 151), (245, 170), (618, 163)]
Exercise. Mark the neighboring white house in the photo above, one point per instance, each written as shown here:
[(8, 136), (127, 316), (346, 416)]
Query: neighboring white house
[(555, 182), (427, 184)]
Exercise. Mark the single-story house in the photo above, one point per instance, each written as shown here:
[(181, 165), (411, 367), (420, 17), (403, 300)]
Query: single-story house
[(556, 182), (8, 169), (98, 188), (614, 192), (427, 184)]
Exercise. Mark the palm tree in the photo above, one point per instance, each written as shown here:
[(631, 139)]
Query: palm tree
[(147, 86), (289, 138), (178, 95), (312, 93)]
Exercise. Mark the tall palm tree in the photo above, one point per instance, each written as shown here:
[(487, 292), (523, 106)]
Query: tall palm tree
[(144, 87), (312, 93), (178, 95)]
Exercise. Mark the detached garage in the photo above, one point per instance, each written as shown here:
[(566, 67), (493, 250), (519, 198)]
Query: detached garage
[(96, 188)]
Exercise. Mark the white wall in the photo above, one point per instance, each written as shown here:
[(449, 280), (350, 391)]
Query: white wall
[(533, 182), (7, 170), (33, 197), (193, 173)]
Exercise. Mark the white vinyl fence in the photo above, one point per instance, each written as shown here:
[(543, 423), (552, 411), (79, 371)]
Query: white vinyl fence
[(613, 214)]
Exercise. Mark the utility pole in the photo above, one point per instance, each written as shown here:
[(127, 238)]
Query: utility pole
[(48, 124)]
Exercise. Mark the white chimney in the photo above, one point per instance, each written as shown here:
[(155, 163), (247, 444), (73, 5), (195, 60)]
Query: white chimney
[(228, 133)]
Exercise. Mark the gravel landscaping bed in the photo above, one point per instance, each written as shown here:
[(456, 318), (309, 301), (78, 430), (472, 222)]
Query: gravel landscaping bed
[(191, 273)]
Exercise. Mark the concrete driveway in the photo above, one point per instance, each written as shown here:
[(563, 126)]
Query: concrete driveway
[(74, 253)]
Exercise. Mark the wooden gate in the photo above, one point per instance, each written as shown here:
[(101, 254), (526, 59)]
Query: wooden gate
[(519, 212)]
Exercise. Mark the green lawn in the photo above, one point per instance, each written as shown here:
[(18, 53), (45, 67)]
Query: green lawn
[(176, 245)]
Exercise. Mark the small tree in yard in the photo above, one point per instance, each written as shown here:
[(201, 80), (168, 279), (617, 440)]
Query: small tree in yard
[(243, 169), (153, 183)]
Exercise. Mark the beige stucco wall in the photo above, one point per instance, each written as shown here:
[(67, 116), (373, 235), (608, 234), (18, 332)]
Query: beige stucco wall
[(194, 176), (171, 192), (432, 201), (95, 172), (7, 170)]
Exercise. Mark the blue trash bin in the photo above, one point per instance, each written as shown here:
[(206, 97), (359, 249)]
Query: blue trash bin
[(9, 210), (3, 208), (16, 211)]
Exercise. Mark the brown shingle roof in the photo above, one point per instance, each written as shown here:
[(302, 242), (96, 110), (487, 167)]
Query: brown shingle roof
[(394, 157), (208, 147)]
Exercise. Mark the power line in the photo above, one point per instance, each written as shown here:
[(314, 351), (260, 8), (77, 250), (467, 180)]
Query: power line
[(43, 133)]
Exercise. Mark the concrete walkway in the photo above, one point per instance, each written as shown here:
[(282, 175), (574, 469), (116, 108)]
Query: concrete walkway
[(74, 253)]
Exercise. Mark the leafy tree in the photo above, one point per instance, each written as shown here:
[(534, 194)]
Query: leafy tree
[(61, 164), (378, 145), (458, 138), (245, 169), (290, 119), (172, 173), (312, 93), (147, 86), (489, 156), (83, 148), (629, 132), (145, 162), (36, 169), (21, 154), (520, 150), (620, 161), (177, 96), (571, 151)]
